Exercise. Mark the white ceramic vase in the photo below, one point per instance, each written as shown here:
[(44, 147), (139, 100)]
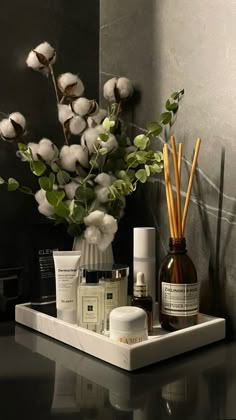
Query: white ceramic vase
[(91, 254)]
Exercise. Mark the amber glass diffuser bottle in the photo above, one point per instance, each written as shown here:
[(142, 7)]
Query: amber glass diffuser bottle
[(178, 288)]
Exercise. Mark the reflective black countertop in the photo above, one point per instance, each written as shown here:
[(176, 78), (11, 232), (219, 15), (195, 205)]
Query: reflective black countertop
[(41, 378)]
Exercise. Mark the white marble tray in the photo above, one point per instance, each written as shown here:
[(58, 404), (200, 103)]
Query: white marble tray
[(160, 346)]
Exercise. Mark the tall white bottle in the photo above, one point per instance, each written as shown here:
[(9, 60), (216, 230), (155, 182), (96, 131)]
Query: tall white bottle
[(144, 257)]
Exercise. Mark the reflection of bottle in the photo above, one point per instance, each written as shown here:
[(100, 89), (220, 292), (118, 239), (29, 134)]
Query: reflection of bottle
[(64, 399), (178, 397), (141, 298), (178, 288)]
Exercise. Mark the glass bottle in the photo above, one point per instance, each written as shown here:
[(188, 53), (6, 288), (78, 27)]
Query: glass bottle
[(141, 298), (178, 288)]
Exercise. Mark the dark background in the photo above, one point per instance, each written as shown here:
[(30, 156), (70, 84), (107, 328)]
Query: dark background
[(73, 30)]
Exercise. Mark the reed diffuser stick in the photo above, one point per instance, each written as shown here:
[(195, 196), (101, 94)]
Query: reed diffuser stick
[(169, 189), (167, 192), (180, 147), (177, 184), (194, 163)]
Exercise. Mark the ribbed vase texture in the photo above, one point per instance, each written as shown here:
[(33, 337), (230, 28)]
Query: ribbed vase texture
[(91, 254)]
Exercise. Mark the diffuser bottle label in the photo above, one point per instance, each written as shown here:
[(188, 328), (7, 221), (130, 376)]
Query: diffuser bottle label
[(179, 299)]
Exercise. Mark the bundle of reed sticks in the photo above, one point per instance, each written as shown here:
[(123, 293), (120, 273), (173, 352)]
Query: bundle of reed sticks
[(177, 220)]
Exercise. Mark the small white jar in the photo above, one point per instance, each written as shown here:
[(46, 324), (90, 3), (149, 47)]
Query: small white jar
[(128, 324)]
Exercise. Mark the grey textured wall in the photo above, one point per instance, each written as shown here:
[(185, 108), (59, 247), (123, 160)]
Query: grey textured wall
[(163, 46)]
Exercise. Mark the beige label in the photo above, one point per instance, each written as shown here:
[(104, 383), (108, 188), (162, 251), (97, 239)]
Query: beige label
[(180, 299)]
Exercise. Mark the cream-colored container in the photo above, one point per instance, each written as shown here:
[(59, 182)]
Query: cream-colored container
[(128, 324)]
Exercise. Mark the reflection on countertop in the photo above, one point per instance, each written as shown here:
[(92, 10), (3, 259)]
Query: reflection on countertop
[(41, 378)]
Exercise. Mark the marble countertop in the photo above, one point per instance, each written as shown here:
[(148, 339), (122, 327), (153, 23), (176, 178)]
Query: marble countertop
[(41, 378)]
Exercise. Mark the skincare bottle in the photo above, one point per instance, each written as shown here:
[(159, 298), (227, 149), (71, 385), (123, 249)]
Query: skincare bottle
[(144, 257), (141, 298), (90, 302), (178, 288)]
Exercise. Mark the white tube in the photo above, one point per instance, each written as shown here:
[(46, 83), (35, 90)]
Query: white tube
[(66, 273)]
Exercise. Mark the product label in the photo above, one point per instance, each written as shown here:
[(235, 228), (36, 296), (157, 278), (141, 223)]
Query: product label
[(111, 296), (90, 309), (179, 299), (66, 287), (131, 339)]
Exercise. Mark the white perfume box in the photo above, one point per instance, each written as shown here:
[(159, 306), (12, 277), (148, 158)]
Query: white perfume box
[(160, 346)]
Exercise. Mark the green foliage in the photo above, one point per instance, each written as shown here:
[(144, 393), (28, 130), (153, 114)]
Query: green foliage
[(12, 184)]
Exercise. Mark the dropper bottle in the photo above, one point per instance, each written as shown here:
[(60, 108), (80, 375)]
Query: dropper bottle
[(141, 298)]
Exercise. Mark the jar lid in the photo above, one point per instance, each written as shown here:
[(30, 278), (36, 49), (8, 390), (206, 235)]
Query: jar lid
[(106, 271), (128, 318)]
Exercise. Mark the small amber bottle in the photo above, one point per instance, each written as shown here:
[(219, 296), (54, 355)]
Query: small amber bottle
[(178, 288), (141, 298)]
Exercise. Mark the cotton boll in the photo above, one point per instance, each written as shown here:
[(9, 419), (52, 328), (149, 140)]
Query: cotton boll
[(109, 89), (46, 210), (48, 56), (130, 149), (103, 179), (40, 196), (110, 144), (102, 194), (77, 125), (47, 150), (109, 224), (90, 137), (124, 87), (70, 85), (7, 130), (34, 147), (80, 154), (70, 189), (94, 218), (98, 118), (65, 113), (92, 235), (81, 106), (67, 160), (18, 118), (105, 241)]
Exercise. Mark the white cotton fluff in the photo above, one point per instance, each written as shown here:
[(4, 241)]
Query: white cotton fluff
[(102, 194), (104, 179), (125, 87), (98, 118), (92, 235), (18, 118), (94, 218), (111, 144), (89, 138), (34, 147), (82, 106), (46, 50), (70, 155), (77, 125), (109, 89), (44, 207), (6, 129), (47, 150), (65, 113), (81, 154), (105, 240), (109, 224), (122, 84), (70, 189), (71, 81)]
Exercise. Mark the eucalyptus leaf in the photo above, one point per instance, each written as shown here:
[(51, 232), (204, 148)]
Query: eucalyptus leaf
[(79, 214), (141, 141), (44, 183), (147, 169), (22, 147), (106, 124), (84, 193), (51, 180), (103, 151), (103, 137), (55, 197), (75, 229), (2, 181), (37, 167), (141, 175), (172, 106), (12, 184), (154, 128), (63, 177), (62, 210), (165, 117)]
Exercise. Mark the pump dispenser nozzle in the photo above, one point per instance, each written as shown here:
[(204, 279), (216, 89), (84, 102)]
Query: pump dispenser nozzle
[(140, 286)]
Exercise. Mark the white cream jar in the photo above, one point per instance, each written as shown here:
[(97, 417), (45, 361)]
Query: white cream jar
[(128, 324)]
